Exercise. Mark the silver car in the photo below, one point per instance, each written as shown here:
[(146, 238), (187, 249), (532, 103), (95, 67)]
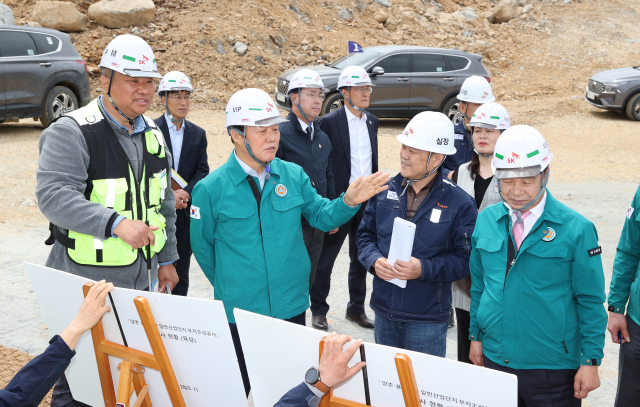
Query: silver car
[(617, 90), (408, 79)]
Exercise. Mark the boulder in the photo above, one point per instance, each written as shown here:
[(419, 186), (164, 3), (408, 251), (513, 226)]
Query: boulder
[(301, 60), (6, 15), (240, 48), (384, 3), (59, 15), (381, 17), (122, 13), (468, 13), (505, 11)]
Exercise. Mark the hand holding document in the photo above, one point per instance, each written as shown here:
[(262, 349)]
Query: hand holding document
[(401, 245)]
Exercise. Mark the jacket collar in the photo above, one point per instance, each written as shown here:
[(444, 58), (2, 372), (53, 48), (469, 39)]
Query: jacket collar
[(551, 211), (237, 174), (296, 122)]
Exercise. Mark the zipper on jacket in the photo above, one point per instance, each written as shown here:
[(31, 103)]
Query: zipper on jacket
[(518, 252), (565, 347)]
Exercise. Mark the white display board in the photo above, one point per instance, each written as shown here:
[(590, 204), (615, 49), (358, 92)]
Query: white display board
[(195, 333), (278, 354)]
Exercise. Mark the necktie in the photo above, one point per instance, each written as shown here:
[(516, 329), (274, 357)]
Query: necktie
[(518, 229), (310, 133)]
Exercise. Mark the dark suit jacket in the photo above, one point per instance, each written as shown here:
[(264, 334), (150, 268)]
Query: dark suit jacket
[(193, 157), (335, 125), (299, 396)]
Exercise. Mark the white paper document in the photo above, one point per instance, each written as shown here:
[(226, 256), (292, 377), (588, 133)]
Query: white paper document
[(401, 245)]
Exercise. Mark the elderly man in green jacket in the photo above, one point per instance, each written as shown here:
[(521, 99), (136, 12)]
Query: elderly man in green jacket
[(246, 230), (625, 286), (538, 285)]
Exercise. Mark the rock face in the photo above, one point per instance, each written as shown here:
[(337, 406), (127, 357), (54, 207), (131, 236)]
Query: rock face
[(505, 11), (122, 13), (6, 15), (59, 15)]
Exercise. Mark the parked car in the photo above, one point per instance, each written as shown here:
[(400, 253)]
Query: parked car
[(617, 90), (41, 74), (408, 79)]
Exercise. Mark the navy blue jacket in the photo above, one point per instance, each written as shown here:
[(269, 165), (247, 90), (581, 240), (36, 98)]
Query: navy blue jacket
[(194, 165), (335, 125), (464, 148), (299, 396), (314, 157), (443, 249), (29, 386)]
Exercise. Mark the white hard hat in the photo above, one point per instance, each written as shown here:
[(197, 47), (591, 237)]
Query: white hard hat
[(521, 151), (305, 78), (429, 131), (174, 81), (354, 76), (131, 56), (251, 107), (476, 89), (491, 116)]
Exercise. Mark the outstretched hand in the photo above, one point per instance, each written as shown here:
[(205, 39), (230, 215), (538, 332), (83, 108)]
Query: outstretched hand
[(362, 189), (333, 363)]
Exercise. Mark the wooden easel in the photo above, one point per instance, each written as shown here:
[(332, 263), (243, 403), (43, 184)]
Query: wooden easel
[(407, 381), (134, 362)]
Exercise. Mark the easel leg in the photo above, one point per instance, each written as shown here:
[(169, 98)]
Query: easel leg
[(407, 380), (140, 384), (125, 384)]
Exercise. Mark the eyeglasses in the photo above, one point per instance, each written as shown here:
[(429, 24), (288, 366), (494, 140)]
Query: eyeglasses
[(363, 89), (180, 98), (314, 95)]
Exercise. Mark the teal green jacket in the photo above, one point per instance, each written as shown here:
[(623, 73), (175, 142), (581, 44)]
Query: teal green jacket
[(547, 312), (625, 284), (255, 258)]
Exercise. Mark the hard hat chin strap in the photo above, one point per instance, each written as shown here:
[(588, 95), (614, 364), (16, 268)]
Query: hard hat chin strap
[(518, 212), (411, 181), (166, 105), (131, 121), (351, 103), (267, 165), (300, 108)]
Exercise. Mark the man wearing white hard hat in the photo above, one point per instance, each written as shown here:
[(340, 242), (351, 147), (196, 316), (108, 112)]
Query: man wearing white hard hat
[(354, 153), (412, 299), (187, 143), (103, 183), (246, 229), (543, 319), (476, 178), (475, 91), (302, 142)]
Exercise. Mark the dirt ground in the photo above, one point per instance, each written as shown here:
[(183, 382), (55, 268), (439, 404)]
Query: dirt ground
[(541, 82)]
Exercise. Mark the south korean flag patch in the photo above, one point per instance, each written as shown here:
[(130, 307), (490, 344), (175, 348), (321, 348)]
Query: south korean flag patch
[(195, 212)]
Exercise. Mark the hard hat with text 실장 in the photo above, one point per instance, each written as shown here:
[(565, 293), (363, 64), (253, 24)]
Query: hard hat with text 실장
[(491, 116), (174, 81), (429, 131), (251, 107), (476, 89), (131, 56), (354, 76), (521, 151), (305, 78)]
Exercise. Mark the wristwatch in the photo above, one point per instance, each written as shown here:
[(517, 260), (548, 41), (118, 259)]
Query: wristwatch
[(312, 377)]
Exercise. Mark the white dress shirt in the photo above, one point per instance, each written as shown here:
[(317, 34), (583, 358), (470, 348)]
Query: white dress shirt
[(361, 152), (304, 126), (262, 177), (533, 217), (176, 140)]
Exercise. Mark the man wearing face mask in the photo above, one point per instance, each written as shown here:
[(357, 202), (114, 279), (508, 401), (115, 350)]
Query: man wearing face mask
[(103, 184), (416, 316), (188, 145), (246, 230), (543, 320), (302, 142)]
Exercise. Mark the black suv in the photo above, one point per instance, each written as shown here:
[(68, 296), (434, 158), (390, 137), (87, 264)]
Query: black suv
[(41, 74)]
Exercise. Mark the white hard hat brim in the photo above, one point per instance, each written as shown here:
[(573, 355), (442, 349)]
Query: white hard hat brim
[(136, 73), (506, 173), (175, 89), (483, 125), (270, 121)]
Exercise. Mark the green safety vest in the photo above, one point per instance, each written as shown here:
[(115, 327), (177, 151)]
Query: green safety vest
[(111, 183)]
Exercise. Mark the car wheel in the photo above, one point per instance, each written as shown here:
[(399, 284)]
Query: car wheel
[(452, 110), (633, 107), (59, 101), (333, 102)]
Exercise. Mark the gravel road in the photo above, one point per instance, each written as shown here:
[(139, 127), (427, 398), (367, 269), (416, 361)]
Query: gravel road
[(24, 328)]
